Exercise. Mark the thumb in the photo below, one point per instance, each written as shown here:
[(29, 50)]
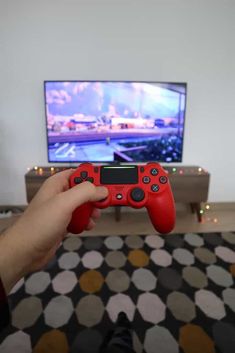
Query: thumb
[(80, 194)]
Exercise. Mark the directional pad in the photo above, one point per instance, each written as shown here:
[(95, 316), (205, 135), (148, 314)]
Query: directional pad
[(90, 179), (84, 174), (78, 180)]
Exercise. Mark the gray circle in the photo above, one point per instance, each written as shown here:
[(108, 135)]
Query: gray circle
[(205, 256), (113, 242), (174, 240), (118, 281), (219, 276), (87, 341), (134, 241), (224, 336), (93, 243), (144, 279), (213, 239), (195, 277), (115, 259), (72, 243), (169, 278)]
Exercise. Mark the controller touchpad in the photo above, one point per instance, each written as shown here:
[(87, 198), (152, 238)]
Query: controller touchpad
[(119, 175)]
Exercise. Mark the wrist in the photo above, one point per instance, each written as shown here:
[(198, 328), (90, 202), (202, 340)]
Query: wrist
[(13, 264)]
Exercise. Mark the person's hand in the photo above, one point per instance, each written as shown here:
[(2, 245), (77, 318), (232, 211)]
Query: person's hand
[(32, 241)]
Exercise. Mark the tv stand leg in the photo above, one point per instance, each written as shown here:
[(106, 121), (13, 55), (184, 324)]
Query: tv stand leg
[(192, 207), (196, 207), (117, 213)]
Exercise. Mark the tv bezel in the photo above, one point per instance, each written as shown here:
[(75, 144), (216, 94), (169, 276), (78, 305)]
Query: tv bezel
[(125, 81)]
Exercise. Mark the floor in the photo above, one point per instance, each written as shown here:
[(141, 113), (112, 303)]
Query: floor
[(177, 290), (219, 218)]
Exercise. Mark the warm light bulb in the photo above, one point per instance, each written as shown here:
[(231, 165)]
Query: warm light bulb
[(35, 168), (207, 207), (215, 220), (200, 169), (201, 211), (52, 169)]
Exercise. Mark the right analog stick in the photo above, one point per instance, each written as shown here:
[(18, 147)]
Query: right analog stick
[(137, 194)]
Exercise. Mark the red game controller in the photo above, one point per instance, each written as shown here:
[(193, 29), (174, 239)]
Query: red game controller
[(128, 185)]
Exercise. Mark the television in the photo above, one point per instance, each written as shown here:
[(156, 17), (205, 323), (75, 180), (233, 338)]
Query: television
[(115, 121)]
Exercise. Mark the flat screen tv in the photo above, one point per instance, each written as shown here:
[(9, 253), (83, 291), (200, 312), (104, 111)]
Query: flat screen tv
[(108, 121)]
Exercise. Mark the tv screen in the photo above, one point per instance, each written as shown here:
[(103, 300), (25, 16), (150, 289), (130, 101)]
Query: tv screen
[(107, 121)]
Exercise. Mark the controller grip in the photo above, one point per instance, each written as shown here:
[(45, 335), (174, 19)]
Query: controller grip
[(161, 211), (80, 218)]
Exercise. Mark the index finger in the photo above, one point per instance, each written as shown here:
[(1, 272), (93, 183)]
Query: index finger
[(55, 184)]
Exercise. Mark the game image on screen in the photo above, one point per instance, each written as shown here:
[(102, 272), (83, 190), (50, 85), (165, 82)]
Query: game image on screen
[(110, 121)]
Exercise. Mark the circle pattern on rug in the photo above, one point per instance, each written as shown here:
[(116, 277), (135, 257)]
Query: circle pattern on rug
[(144, 279), (169, 278), (91, 281), (134, 242), (115, 259), (138, 258), (161, 257), (178, 290), (114, 243), (194, 239), (195, 277)]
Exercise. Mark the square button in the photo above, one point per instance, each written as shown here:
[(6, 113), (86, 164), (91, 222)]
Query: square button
[(146, 180)]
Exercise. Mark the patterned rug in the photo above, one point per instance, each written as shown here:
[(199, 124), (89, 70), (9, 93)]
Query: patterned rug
[(177, 290)]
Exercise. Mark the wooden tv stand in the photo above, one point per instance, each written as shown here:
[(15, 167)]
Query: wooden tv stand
[(190, 184)]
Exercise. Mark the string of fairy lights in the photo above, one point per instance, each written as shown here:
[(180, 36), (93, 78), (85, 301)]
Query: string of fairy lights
[(174, 170)]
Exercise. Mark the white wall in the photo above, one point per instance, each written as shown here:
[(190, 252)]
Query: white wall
[(165, 40)]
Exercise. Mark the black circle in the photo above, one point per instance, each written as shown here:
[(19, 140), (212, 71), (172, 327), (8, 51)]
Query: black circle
[(137, 194), (146, 179), (163, 179), (154, 171), (154, 187)]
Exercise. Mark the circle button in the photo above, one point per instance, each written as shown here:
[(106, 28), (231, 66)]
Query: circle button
[(163, 179), (119, 196)]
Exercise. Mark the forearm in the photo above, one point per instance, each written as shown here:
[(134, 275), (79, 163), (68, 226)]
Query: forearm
[(13, 264)]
